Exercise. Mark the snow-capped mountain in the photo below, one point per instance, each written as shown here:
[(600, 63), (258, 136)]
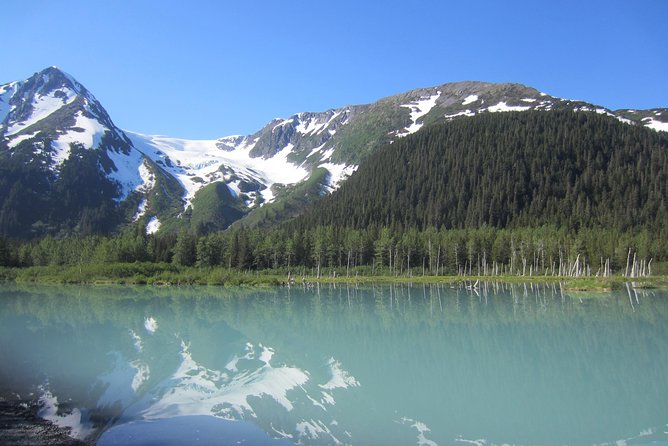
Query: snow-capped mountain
[(76, 167), (55, 127), (51, 111)]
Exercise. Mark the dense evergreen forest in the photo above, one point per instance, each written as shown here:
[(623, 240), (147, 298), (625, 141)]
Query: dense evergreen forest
[(34, 200), (371, 251), (510, 170), (531, 193)]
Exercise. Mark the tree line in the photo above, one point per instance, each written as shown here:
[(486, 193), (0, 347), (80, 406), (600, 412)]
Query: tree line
[(376, 250), (557, 193)]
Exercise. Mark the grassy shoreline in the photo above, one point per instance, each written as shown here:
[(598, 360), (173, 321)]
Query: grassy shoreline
[(158, 274)]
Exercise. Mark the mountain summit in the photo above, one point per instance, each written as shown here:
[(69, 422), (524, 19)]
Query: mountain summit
[(65, 166)]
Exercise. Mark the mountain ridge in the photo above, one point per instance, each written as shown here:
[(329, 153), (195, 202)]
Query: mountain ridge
[(157, 178)]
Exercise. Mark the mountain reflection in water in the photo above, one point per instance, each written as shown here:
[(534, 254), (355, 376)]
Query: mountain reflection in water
[(520, 364)]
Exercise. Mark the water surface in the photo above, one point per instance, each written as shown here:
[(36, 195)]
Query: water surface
[(369, 365)]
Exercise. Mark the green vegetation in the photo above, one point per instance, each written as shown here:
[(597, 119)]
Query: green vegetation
[(165, 274), (376, 254), (290, 202), (528, 195), (523, 169), (214, 208)]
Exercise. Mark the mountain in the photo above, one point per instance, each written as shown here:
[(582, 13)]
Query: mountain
[(509, 170), (65, 167)]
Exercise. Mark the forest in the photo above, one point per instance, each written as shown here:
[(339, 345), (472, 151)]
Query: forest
[(376, 250), (520, 169), (530, 194)]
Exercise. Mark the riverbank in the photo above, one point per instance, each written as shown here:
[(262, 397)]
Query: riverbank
[(163, 274)]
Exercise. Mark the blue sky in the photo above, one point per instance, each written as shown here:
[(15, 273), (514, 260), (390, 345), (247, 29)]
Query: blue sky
[(205, 69)]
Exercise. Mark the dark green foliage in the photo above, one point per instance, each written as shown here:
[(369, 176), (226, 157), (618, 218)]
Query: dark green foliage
[(370, 130), (214, 208), (526, 169), (24, 191), (289, 203), (512, 193), (84, 195), (328, 250), (185, 253), (35, 201)]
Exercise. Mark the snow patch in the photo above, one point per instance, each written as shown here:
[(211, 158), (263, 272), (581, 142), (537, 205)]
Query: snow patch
[(147, 177), (131, 174), (337, 174), (328, 154), (418, 110), (602, 111), (141, 210), (315, 150), (656, 125), (86, 131), (470, 99), (153, 225), (43, 107), (266, 355), (503, 107), (283, 122), (20, 138), (310, 126), (466, 112)]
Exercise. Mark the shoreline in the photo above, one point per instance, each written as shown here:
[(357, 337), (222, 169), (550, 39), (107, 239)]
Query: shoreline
[(21, 426), (167, 275)]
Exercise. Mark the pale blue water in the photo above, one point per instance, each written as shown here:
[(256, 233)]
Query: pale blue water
[(419, 365)]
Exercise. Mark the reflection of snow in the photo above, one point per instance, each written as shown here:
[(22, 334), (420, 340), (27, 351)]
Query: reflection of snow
[(141, 376), (150, 324), (646, 436), (196, 390), (136, 341), (79, 429), (252, 385), (421, 429), (123, 382), (313, 429), (480, 442), (340, 378)]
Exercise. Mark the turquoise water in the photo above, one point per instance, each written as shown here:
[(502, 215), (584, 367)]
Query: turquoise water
[(403, 365)]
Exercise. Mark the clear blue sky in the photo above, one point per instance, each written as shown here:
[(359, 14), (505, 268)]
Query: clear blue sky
[(205, 69)]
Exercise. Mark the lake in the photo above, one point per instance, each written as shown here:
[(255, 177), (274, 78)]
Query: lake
[(370, 365)]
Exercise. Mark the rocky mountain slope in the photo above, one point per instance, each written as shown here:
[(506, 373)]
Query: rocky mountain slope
[(57, 143)]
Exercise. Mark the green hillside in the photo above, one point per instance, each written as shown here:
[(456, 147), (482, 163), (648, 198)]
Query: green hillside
[(502, 170)]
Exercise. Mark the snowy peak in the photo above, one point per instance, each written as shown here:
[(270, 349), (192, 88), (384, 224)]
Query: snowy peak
[(50, 116), (28, 102), (51, 111)]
